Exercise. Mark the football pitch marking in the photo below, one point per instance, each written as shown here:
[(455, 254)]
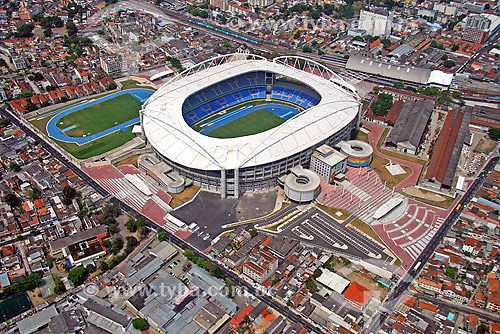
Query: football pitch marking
[(282, 111)]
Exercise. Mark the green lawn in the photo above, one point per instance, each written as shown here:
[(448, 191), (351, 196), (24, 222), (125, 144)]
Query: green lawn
[(258, 121), (101, 116), (98, 146), (128, 84)]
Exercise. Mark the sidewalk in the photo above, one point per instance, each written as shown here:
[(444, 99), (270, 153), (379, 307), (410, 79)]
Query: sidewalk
[(374, 136)]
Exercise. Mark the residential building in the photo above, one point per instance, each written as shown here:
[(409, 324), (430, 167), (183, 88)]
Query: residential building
[(357, 295), (493, 295), (81, 246), (25, 14), (113, 64), (260, 3), (222, 4), (376, 23), (260, 265)]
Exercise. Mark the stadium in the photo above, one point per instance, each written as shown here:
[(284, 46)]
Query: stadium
[(240, 122)]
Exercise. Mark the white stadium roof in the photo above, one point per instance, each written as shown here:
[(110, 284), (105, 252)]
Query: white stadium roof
[(171, 136)]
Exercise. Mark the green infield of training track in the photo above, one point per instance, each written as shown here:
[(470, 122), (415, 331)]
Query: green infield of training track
[(98, 146), (101, 116), (256, 122)]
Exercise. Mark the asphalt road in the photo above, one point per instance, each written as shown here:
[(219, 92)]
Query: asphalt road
[(493, 38), (174, 239), (393, 298), (462, 308)]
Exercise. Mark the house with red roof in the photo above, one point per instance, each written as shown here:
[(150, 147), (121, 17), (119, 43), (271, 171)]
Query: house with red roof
[(357, 295), (236, 321), (426, 306)]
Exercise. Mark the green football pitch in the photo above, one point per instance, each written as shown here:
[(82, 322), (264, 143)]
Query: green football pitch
[(101, 116), (14, 305), (258, 121)]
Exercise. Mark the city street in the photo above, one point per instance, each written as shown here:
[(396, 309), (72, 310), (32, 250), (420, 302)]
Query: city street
[(174, 239), (393, 298)]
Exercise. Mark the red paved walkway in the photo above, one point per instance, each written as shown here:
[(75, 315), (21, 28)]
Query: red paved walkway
[(113, 180), (374, 135)]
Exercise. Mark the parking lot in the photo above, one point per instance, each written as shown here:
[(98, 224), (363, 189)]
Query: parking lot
[(316, 227)]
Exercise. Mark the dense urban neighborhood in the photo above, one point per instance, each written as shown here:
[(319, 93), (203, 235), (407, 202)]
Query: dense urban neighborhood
[(250, 166)]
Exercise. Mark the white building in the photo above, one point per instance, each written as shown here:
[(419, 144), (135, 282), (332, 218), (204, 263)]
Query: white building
[(328, 162), (260, 265), (260, 3), (112, 64), (377, 23)]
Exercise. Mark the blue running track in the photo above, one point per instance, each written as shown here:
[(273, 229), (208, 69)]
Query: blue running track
[(53, 131), (283, 111)]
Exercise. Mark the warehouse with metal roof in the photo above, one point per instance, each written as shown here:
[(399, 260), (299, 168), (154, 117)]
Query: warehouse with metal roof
[(410, 125), (399, 72)]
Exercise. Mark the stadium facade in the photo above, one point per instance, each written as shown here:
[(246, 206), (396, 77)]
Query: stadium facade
[(329, 112)]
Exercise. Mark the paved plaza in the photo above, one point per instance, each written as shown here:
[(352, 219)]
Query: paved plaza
[(113, 180), (406, 230)]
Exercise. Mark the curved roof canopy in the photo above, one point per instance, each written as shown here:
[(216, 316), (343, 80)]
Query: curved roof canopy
[(169, 134)]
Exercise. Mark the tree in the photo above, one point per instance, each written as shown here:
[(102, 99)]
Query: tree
[(12, 200), (387, 42), (90, 268), (200, 262), (131, 226), (140, 324), (26, 93), (117, 245), (131, 244), (111, 210), (494, 133), (112, 228), (317, 273), (69, 193), (142, 231), (451, 272), (4, 121), (30, 282), (47, 32), (311, 285), (383, 104), (107, 244), (306, 48), (140, 223), (71, 28), (59, 287), (38, 76), (188, 254), (58, 22), (449, 63), (103, 266), (77, 275), (15, 167), (26, 30), (33, 193), (399, 85), (162, 236), (253, 233), (315, 14)]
